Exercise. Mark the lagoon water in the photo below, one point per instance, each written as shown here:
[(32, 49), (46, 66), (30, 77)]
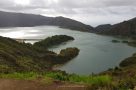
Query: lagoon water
[(97, 52)]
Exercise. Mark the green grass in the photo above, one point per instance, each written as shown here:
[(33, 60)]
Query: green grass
[(99, 80), (24, 76), (95, 80)]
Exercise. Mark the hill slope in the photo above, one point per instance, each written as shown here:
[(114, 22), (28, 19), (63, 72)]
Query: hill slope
[(16, 56), (8, 19), (126, 28), (102, 28)]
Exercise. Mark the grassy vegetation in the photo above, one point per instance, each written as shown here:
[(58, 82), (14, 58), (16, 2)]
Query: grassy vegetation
[(61, 76), (28, 62), (95, 80), (18, 57), (124, 77), (24, 76)]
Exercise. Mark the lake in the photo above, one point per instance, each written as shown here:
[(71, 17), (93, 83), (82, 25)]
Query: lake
[(97, 52)]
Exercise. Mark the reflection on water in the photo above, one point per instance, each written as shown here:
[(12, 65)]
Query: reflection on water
[(97, 53)]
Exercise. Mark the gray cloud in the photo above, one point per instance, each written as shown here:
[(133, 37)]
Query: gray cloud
[(92, 12)]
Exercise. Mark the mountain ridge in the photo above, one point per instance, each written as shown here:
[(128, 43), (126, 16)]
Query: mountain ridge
[(10, 19), (125, 28)]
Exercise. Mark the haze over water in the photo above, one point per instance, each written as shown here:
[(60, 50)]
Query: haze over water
[(97, 52)]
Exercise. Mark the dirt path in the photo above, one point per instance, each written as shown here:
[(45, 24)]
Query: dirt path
[(10, 84)]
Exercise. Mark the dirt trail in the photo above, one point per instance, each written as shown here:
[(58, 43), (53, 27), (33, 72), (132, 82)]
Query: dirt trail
[(10, 84)]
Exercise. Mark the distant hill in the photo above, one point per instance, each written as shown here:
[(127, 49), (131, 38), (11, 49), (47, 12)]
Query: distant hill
[(102, 28), (126, 28), (10, 19)]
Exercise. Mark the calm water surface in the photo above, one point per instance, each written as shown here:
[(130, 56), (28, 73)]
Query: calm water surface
[(97, 52)]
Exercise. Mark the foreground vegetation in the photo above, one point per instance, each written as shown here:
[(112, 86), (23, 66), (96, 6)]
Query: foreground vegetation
[(30, 62), (115, 79), (91, 81), (58, 75), (124, 76)]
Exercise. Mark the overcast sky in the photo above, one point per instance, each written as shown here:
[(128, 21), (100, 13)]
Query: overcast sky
[(92, 12)]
